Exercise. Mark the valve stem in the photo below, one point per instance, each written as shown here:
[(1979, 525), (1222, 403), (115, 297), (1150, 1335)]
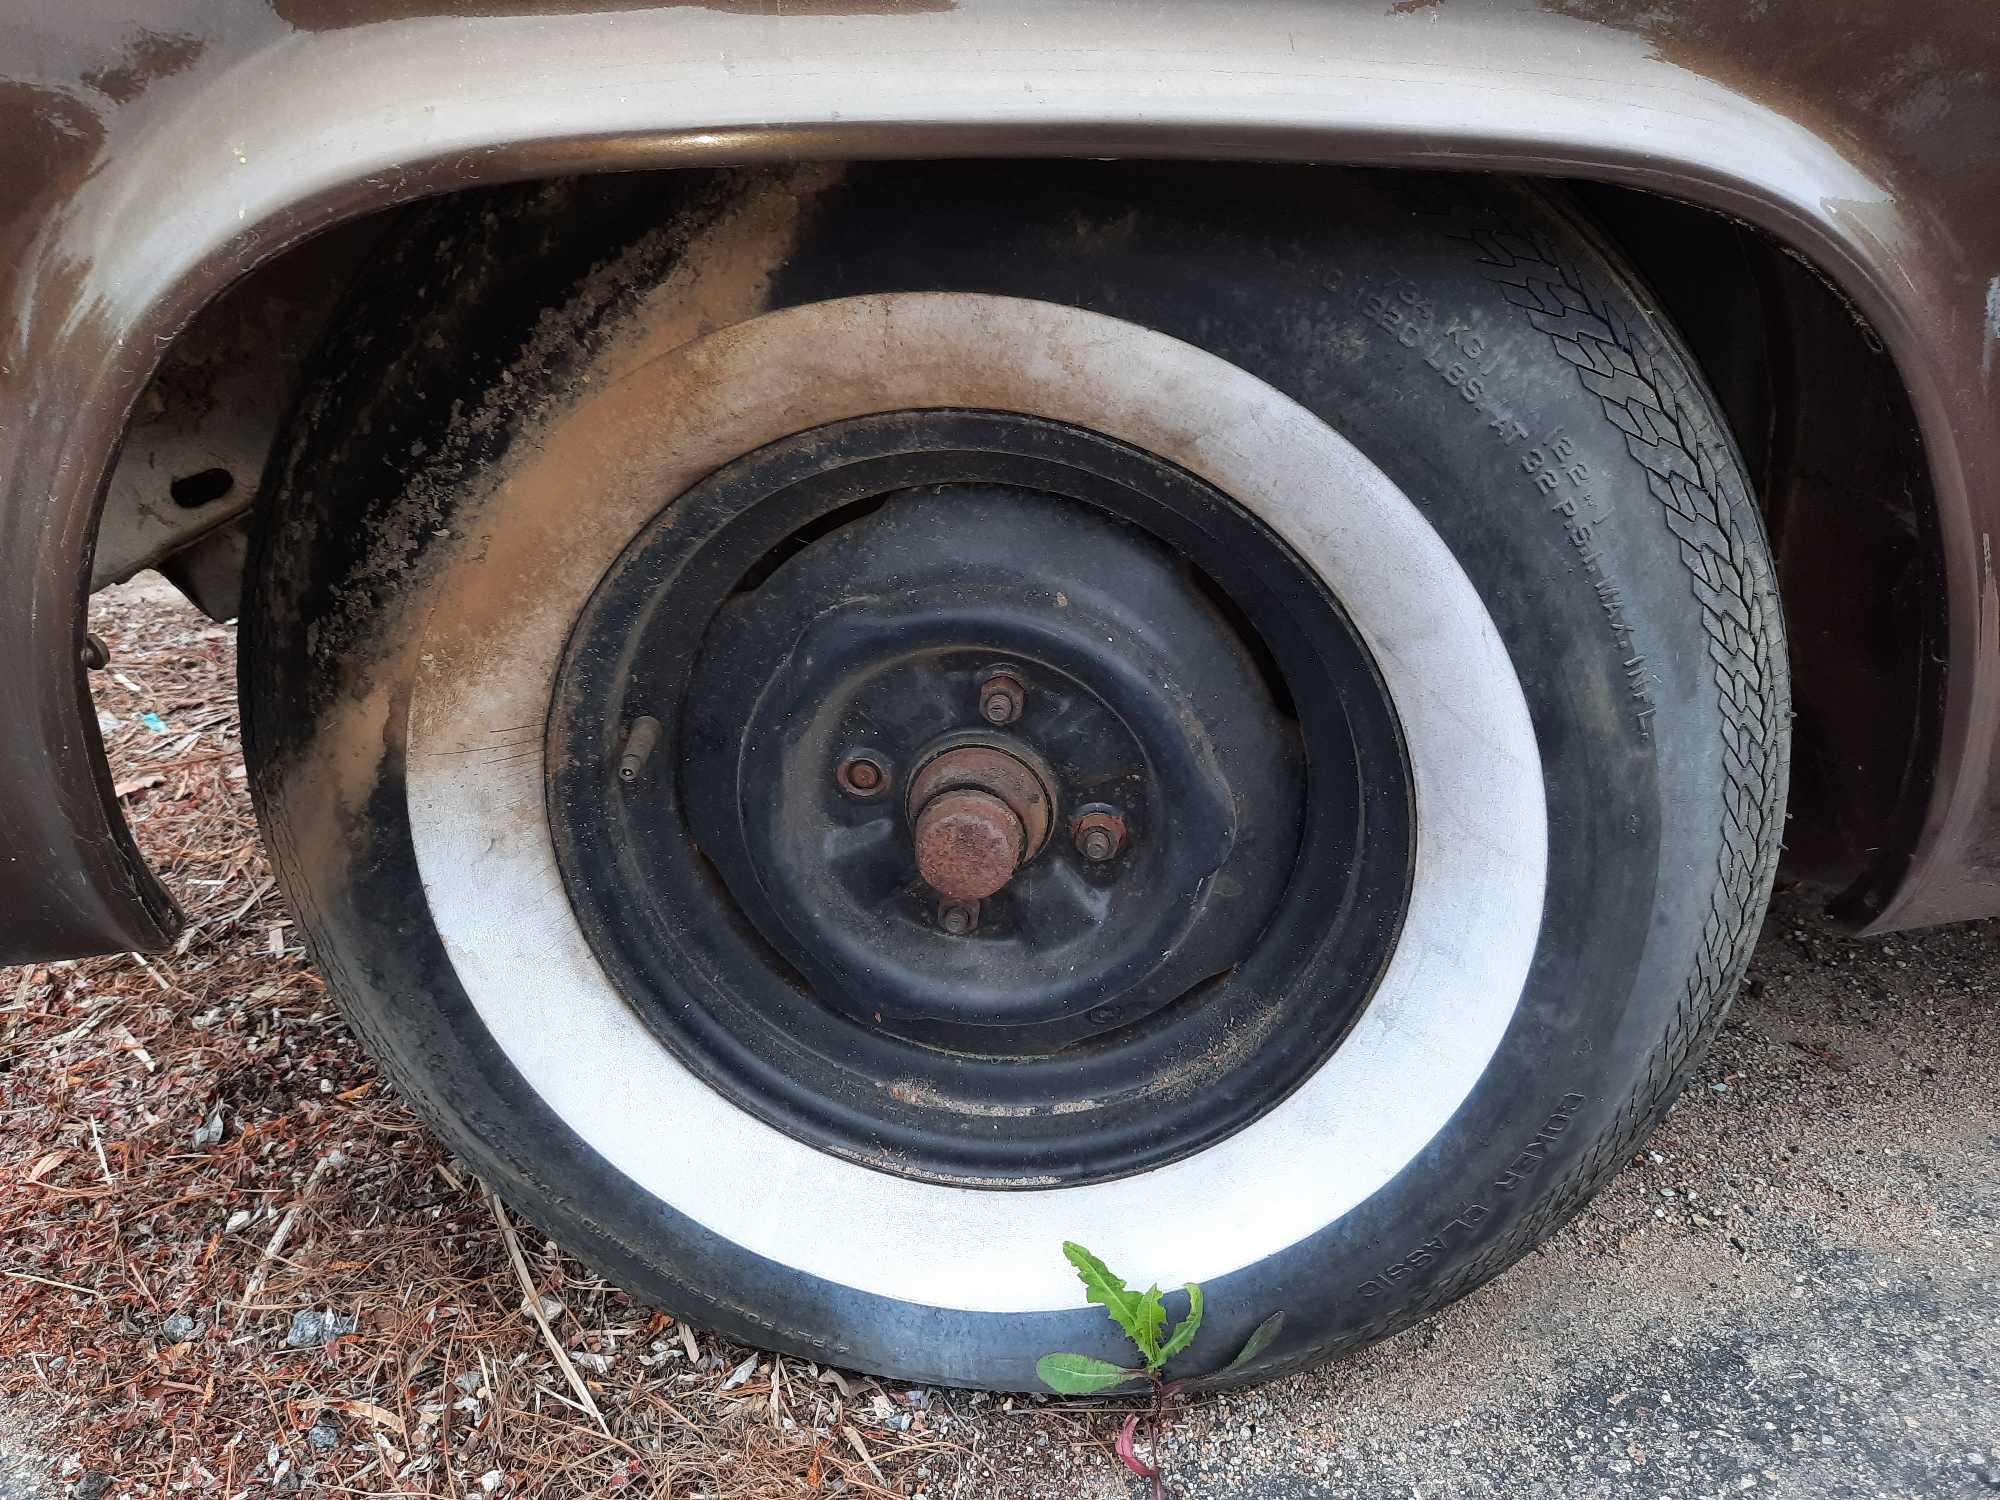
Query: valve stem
[(639, 742)]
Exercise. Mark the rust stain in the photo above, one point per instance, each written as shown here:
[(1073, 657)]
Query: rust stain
[(968, 844), (149, 57), (1871, 79), (51, 142)]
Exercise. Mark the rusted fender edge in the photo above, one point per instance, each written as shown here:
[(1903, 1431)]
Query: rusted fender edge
[(267, 133)]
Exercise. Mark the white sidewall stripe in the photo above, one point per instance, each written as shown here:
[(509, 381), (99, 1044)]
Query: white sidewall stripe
[(488, 865)]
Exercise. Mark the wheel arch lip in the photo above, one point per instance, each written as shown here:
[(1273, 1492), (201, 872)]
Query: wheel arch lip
[(251, 134)]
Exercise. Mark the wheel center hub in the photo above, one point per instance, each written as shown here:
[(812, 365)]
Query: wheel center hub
[(976, 812), (886, 726), (968, 844)]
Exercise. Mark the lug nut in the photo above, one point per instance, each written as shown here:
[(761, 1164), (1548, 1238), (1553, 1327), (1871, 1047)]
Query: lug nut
[(1001, 697), (861, 777), (1098, 835), (958, 918)]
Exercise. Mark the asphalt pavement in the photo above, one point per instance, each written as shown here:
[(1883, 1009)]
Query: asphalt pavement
[(1795, 1291)]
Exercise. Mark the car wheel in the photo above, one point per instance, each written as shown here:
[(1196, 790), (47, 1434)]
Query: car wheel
[(837, 728)]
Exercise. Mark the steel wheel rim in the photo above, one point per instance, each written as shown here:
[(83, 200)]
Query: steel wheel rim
[(489, 870), (775, 928)]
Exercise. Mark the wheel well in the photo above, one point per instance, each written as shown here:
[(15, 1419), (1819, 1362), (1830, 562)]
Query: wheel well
[(1826, 429), (1818, 410)]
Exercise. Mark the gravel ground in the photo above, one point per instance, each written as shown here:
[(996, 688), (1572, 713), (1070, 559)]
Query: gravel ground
[(1794, 1291)]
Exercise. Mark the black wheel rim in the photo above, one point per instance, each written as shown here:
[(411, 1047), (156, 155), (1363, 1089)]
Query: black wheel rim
[(841, 597)]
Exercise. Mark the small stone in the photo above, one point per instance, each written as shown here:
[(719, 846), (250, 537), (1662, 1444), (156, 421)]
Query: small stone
[(92, 1485), (323, 1435), (312, 1328), (238, 1220), (179, 1328), (209, 1131)]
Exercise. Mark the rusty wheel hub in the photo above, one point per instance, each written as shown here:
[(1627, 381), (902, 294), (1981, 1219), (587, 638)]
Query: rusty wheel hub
[(970, 644), (969, 844), (977, 810)]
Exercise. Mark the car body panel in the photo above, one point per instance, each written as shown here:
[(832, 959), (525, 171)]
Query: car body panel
[(148, 163)]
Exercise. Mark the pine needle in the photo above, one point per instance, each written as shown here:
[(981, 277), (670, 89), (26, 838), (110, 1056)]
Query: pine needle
[(513, 1244)]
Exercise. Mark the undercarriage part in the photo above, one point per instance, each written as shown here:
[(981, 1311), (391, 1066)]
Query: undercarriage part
[(193, 458), (209, 570)]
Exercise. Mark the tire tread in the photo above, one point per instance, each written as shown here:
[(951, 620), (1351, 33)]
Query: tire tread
[(1646, 386)]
